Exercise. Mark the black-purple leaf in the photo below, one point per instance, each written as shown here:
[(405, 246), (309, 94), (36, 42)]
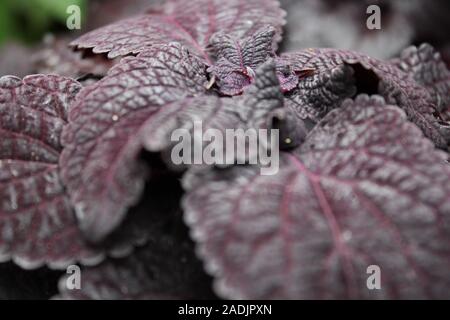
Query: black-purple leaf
[(256, 109), (321, 92), (261, 107), (50, 95), (237, 60), (192, 23), (286, 75), (366, 188), (37, 224), (370, 76), (427, 68), (100, 164)]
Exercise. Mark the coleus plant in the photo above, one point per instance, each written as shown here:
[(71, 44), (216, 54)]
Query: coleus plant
[(363, 178)]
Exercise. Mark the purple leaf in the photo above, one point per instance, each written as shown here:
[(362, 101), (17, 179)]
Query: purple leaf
[(332, 82), (286, 75), (261, 107), (192, 23), (100, 163), (238, 60), (425, 65), (37, 225), (51, 95), (365, 189), (252, 110), (320, 92)]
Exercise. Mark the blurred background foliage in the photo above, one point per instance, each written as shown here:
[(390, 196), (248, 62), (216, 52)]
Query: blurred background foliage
[(26, 21), (34, 37)]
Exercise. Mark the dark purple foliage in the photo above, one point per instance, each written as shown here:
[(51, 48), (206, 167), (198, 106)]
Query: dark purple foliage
[(38, 223), (192, 23), (418, 83), (364, 188), (86, 177)]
